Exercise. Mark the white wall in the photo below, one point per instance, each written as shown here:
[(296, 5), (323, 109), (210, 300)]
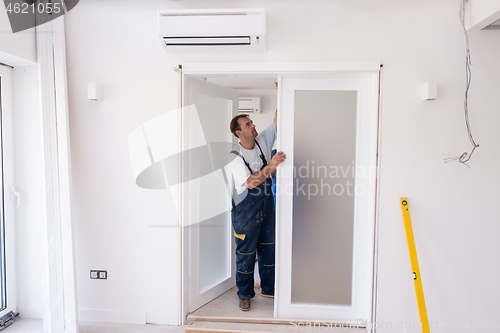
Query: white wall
[(452, 206), (113, 217), (17, 49)]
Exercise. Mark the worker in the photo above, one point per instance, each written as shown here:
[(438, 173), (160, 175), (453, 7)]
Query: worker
[(253, 212)]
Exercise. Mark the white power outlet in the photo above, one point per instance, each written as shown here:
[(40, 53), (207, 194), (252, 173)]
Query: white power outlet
[(100, 275)]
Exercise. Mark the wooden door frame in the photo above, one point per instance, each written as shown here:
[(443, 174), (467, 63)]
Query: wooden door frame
[(278, 68)]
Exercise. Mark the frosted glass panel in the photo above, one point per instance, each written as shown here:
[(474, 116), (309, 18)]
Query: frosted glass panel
[(323, 202), (215, 233)]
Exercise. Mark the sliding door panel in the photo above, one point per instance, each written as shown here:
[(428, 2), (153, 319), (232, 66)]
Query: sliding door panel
[(326, 196)]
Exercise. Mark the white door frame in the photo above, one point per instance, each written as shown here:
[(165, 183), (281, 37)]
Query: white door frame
[(273, 68), (60, 299)]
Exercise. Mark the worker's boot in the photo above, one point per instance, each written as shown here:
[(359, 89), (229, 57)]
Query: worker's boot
[(244, 304)]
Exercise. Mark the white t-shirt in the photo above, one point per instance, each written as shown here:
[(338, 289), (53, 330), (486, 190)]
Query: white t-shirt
[(238, 168)]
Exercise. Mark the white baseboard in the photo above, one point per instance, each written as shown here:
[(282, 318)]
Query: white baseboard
[(112, 316), (30, 312)]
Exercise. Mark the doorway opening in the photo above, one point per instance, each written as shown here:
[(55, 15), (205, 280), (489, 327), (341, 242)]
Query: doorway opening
[(304, 101), (216, 100)]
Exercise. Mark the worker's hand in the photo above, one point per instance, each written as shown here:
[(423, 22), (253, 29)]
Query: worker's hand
[(278, 159)]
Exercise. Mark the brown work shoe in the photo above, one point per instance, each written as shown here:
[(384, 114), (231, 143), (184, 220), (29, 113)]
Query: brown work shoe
[(244, 304), (266, 295)]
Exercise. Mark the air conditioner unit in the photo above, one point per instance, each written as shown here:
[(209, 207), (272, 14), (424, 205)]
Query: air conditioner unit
[(210, 28), (250, 105)]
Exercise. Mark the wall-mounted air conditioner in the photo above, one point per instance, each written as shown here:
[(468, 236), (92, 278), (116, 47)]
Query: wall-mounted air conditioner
[(250, 105), (209, 28)]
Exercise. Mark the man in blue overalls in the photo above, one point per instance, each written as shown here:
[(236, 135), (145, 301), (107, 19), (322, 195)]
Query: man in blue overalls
[(253, 213)]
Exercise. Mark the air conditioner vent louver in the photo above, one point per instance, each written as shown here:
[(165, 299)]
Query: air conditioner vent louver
[(207, 41)]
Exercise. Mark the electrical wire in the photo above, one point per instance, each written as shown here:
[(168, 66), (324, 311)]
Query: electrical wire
[(465, 157)]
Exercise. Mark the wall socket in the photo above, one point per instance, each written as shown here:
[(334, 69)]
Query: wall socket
[(102, 275)]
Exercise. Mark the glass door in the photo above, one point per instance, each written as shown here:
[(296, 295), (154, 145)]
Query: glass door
[(7, 232), (326, 197)]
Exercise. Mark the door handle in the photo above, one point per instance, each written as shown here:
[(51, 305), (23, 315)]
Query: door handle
[(14, 195)]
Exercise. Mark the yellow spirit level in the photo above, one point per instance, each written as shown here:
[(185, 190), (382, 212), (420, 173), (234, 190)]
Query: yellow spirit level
[(419, 291)]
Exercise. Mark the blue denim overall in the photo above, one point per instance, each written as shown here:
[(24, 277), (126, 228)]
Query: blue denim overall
[(254, 226)]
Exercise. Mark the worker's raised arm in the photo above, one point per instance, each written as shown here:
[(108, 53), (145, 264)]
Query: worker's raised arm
[(257, 178)]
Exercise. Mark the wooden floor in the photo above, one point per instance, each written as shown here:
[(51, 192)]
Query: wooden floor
[(36, 326), (212, 327)]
